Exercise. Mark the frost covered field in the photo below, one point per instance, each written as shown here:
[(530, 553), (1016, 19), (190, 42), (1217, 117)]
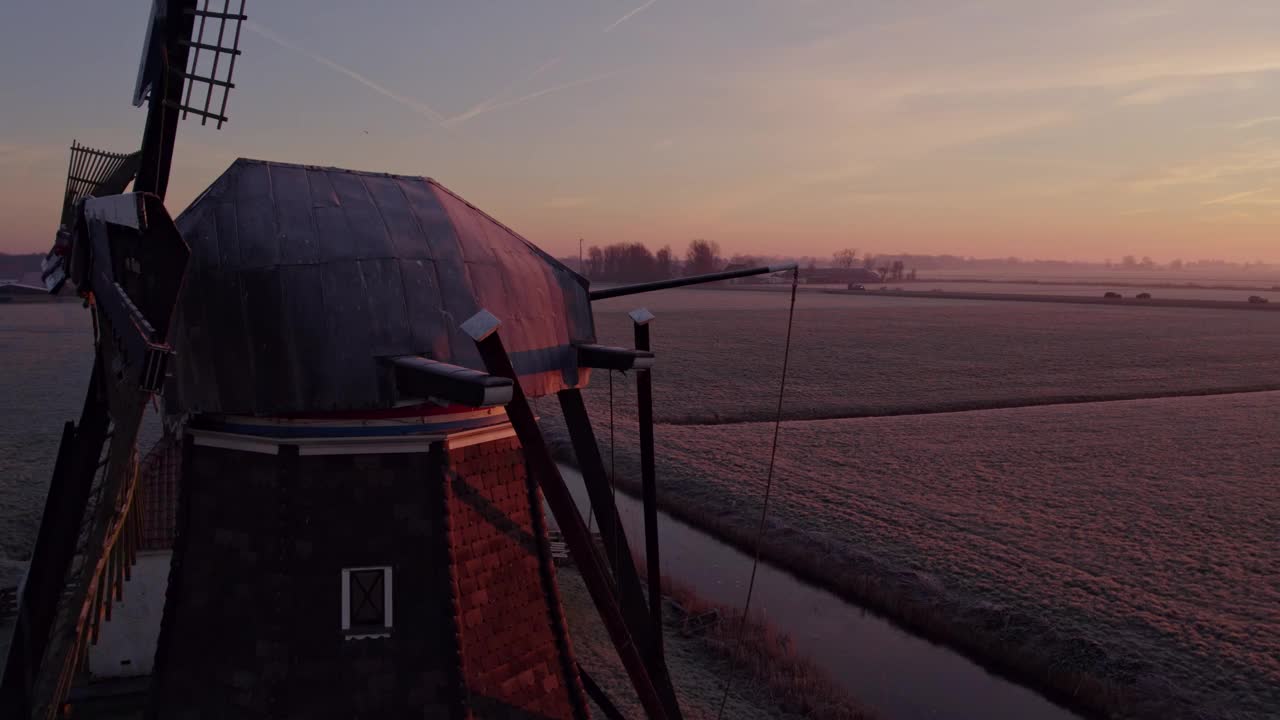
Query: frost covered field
[(868, 355), (1124, 554)]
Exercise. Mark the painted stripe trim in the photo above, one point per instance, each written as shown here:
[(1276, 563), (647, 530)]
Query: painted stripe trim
[(349, 431)]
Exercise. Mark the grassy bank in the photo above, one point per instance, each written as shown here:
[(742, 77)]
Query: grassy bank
[(770, 680)]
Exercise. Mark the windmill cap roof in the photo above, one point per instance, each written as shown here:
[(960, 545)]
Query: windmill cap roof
[(302, 276)]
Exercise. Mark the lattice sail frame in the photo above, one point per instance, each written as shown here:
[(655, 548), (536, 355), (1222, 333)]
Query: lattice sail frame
[(213, 75), (92, 172)]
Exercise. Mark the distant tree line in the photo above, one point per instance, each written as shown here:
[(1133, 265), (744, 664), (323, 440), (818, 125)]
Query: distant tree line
[(633, 262), (886, 268)]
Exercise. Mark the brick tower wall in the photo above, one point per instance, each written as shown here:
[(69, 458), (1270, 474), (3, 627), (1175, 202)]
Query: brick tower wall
[(252, 624), (514, 643)]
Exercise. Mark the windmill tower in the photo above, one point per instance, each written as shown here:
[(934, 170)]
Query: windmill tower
[(361, 530), (359, 534)]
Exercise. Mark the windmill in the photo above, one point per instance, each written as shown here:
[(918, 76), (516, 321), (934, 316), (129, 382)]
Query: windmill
[(126, 259), (350, 357)]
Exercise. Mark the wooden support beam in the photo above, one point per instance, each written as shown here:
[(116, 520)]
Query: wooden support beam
[(617, 549), (420, 377), (599, 697), (483, 329), (684, 281), (73, 474), (612, 358), (648, 475)]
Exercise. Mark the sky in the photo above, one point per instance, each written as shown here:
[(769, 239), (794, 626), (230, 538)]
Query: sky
[(1033, 128)]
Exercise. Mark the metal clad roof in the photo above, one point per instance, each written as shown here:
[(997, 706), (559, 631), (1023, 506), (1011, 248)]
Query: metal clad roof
[(302, 277)]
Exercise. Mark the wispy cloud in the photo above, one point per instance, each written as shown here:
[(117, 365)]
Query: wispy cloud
[(415, 105), (1262, 198), (451, 122), (1233, 167), (27, 157), (495, 102), (629, 15), (567, 203), (1255, 122), (1232, 199), (1163, 92)]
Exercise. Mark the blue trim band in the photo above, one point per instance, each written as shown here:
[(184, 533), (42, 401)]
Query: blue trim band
[(306, 431)]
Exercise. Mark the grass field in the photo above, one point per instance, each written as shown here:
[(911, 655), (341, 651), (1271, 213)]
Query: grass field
[(720, 353), (1120, 554), (1123, 554)]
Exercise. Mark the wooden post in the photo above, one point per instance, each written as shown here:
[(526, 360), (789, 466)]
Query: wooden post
[(648, 475), (162, 118), (483, 329), (617, 549), (73, 473)]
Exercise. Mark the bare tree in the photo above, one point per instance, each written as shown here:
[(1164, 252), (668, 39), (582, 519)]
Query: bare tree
[(664, 262), (845, 258), (701, 257), (627, 262), (896, 269), (595, 262)]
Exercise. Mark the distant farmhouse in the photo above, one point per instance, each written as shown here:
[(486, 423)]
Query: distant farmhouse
[(840, 276), (12, 291), (773, 279), (20, 280)]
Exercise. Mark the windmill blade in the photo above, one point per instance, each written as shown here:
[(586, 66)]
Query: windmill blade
[(127, 260), (222, 47), (132, 276), (187, 67), (90, 173), (93, 173)]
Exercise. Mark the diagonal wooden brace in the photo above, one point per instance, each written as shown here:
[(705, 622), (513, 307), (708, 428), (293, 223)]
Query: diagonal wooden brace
[(617, 549), (483, 329)]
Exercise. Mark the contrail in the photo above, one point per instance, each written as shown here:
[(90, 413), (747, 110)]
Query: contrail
[(630, 15), (415, 105), (479, 110), (1256, 122), (489, 102)]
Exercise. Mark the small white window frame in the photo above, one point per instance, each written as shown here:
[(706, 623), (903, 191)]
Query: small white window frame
[(366, 632)]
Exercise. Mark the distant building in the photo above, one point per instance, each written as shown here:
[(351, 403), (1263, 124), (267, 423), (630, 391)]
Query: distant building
[(12, 291), (738, 281), (20, 292), (841, 276)]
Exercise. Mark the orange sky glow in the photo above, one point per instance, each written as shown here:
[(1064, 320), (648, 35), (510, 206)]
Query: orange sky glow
[(1086, 130)]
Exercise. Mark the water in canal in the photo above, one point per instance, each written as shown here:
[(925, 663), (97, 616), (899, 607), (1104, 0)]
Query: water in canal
[(884, 668)]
